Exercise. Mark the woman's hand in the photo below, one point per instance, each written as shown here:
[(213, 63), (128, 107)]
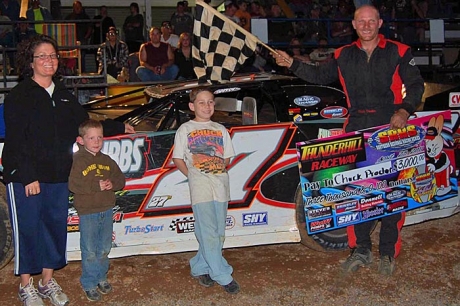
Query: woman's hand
[(32, 189)]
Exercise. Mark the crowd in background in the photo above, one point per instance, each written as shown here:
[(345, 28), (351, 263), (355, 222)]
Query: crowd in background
[(316, 27)]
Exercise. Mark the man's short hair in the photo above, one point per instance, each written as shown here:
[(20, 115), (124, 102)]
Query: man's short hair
[(180, 3), (166, 23)]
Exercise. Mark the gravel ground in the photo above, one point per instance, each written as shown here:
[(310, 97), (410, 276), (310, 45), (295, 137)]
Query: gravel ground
[(427, 273)]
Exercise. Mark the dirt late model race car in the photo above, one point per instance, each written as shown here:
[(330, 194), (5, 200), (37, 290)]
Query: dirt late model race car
[(266, 115)]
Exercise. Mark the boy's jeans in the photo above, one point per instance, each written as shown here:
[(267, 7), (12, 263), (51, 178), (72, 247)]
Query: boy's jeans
[(210, 221), (95, 244)]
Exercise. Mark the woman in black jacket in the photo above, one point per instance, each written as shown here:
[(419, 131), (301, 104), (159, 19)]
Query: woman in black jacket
[(41, 124)]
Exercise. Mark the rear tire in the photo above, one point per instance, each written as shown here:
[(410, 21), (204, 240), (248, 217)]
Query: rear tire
[(335, 240), (6, 234)]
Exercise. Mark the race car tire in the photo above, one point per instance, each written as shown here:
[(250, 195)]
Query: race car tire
[(335, 240), (6, 234)]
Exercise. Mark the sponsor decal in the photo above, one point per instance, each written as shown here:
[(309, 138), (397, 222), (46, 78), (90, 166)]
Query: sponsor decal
[(347, 206), (229, 222), (397, 206), (372, 213), (333, 112), (310, 114), (293, 111), (370, 201), (319, 212), (396, 194), (307, 100), (297, 118), (150, 228), (185, 227), (73, 220), (334, 153), (387, 139), (348, 218), (127, 153), (182, 225), (320, 225), (454, 99), (259, 218)]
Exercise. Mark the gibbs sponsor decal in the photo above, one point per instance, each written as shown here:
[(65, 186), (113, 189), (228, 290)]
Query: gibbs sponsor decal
[(334, 112), (306, 101), (387, 139)]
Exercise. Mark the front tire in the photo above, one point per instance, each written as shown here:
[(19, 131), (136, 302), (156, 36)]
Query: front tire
[(6, 234), (335, 240)]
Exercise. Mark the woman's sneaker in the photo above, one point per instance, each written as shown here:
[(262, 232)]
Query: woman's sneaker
[(29, 295), (53, 292), (104, 287)]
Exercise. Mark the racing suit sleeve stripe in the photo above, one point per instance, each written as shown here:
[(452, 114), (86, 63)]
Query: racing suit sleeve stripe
[(396, 86)]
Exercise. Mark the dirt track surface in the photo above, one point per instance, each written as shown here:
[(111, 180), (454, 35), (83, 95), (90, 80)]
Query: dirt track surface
[(427, 273)]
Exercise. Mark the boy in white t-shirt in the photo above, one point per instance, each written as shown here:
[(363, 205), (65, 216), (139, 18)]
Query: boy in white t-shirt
[(202, 151)]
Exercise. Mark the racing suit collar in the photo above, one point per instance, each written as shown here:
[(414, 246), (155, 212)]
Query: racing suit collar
[(381, 44)]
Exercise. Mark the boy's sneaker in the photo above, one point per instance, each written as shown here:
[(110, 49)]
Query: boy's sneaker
[(93, 295), (104, 287), (29, 295), (205, 280), (357, 260), (53, 292), (386, 265), (233, 287)]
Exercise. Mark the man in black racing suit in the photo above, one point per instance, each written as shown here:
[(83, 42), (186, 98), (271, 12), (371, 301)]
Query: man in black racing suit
[(372, 71)]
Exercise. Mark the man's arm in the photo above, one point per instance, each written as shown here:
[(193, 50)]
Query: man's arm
[(324, 74), (414, 84), (143, 58)]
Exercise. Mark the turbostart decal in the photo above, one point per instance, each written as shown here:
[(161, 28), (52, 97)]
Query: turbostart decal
[(306, 101), (388, 139), (334, 112)]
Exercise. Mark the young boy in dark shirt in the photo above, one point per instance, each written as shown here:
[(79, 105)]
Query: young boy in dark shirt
[(93, 179)]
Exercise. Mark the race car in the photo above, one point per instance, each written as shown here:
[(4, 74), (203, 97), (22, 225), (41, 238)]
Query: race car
[(266, 115)]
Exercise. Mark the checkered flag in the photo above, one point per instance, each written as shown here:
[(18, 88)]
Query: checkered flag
[(220, 46)]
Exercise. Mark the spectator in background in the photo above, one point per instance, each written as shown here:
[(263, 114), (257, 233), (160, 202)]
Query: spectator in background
[(10, 8), (278, 31), (297, 51), (243, 14), (84, 30), (6, 37), (38, 13), (342, 31), (322, 54), (402, 9), (181, 21), (115, 53), (230, 11), (156, 59), (133, 28), (167, 36), (183, 58), (315, 28), (420, 12), (22, 31), (102, 28), (257, 11)]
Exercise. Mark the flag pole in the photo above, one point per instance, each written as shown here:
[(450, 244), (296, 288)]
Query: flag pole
[(203, 4)]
